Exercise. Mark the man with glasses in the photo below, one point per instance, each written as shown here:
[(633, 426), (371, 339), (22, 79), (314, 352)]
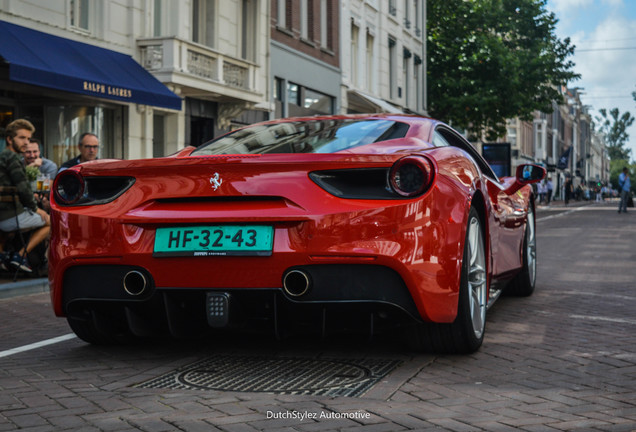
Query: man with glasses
[(88, 148)]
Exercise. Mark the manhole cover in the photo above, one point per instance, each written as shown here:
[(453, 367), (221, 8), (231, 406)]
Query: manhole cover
[(324, 376)]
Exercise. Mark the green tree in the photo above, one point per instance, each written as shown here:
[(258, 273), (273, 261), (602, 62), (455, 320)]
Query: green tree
[(615, 128), (491, 60)]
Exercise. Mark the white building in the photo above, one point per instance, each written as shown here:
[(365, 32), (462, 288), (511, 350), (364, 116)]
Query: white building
[(383, 54), (147, 76)]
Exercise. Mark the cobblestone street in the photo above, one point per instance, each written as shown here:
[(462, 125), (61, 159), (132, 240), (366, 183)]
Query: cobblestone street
[(563, 359)]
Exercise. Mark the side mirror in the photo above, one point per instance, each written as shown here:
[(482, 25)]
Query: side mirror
[(526, 174)]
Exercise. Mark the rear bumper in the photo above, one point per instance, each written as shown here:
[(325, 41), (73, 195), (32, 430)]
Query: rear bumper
[(367, 295), (416, 247)]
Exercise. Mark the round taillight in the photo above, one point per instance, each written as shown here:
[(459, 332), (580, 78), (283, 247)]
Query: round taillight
[(410, 176), (69, 187)]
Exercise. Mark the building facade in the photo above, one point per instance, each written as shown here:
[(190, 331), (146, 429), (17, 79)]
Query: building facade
[(564, 142), (202, 64), (305, 57), (383, 56)]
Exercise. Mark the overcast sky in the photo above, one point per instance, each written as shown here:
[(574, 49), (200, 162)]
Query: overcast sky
[(604, 32)]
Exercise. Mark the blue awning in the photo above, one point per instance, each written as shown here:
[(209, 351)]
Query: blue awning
[(45, 60)]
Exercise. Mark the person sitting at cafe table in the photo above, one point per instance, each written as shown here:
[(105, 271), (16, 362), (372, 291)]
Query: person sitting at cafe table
[(33, 157), (89, 149), (29, 216)]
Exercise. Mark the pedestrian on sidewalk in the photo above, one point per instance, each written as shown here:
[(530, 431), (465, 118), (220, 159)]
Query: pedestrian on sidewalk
[(568, 189), (542, 190), (624, 187), (549, 191)]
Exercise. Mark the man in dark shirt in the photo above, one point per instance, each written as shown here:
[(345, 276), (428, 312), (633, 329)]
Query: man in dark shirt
[(13, 173), (89, 149)]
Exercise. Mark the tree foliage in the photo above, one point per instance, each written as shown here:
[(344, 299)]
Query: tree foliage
[(492, 60), (615, 128)]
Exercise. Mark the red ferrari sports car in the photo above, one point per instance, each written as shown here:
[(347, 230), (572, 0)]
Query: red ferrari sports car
[(317, 225)]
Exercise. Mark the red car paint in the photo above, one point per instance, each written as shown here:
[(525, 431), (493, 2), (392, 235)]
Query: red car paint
[(420, 238)]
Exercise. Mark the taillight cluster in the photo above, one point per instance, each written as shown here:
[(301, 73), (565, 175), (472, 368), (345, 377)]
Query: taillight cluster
[(411, 176), (69, 187), (72, 189)]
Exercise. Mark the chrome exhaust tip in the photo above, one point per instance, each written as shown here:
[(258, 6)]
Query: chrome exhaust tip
[(135, 283), (296, 283)]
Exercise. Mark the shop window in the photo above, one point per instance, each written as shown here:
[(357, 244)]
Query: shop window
[(65, 124), (279, 100), (317, 103), (302, 101), (293, 94), (6, 117)]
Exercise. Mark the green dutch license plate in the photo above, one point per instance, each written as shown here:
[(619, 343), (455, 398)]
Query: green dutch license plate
[(216, 240)]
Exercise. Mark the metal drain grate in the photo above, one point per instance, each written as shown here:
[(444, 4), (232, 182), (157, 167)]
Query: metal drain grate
[(302, 376)]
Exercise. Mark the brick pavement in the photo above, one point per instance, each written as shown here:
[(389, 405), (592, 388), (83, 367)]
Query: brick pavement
[(563, 359)]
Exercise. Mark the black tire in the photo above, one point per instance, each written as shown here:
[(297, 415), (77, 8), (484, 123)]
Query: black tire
[(523, 283), (465, 334)]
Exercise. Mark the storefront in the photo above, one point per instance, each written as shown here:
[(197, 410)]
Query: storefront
[(66, 88)]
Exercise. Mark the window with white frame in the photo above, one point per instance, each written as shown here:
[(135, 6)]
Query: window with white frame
[(355, 34), (324, 38), (157, 18), (203, 22), (392, 8), (417, 76), (79, 11), (418, 17), (392, 67), (369, 61), (281, 13), (406, 80), (248, 30), (407, 14), (304, 20)]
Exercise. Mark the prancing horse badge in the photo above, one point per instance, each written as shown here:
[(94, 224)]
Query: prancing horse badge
[(216, 181)]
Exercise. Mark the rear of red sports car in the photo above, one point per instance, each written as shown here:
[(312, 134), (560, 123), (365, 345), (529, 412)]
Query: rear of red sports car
[(297, 225)]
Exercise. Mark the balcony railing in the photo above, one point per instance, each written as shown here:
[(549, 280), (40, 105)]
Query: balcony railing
[(170, 58)]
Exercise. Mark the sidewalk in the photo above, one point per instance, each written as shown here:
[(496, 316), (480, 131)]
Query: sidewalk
[(573, 203), (24, 285)]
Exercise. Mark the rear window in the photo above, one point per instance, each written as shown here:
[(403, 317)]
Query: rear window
[(313, 136)]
